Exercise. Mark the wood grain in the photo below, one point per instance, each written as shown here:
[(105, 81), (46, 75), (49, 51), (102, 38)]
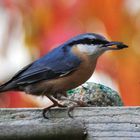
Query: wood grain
[(100, 123)]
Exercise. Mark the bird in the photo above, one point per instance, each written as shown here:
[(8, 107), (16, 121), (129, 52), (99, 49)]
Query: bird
[(63, 68)]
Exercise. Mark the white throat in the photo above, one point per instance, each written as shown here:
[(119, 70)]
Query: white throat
[(89, 49)]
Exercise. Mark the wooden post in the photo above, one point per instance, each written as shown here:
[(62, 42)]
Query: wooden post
[(89, 123)]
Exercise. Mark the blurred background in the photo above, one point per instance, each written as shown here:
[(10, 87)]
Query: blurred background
[(31, 28)]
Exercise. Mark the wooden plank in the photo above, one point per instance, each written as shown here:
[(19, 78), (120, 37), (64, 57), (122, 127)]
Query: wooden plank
[(101, 123), (27, 124)]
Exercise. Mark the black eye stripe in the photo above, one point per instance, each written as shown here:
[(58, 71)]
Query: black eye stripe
[(89, 41)]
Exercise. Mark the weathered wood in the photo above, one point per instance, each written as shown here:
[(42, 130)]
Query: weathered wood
[(29, 124), (101, 123)]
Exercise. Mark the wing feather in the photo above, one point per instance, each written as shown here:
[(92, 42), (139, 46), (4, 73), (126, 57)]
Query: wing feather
[(59, 62)]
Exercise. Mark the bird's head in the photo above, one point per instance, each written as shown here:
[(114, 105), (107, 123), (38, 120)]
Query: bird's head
[(94, 44)]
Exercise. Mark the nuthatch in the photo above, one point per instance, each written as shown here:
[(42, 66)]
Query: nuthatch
[(64, 68)]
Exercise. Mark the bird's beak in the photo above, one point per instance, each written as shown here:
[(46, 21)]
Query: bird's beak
[(115, 45)]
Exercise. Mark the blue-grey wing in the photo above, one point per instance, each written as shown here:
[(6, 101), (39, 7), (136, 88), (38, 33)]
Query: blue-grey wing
[(58, 62)]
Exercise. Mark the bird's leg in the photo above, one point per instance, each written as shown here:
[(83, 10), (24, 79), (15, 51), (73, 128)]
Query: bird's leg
[(55, 103), (79, 103), (70, 109), (46, 110)]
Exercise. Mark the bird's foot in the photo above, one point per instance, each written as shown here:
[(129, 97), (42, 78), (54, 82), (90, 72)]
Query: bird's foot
[(75, 103), (46, 110), (55, 103), (79, 103), (71, 108)]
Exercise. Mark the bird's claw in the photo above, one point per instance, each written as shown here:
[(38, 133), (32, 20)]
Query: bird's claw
[(46, 111), (69, 113), (70, 110)]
